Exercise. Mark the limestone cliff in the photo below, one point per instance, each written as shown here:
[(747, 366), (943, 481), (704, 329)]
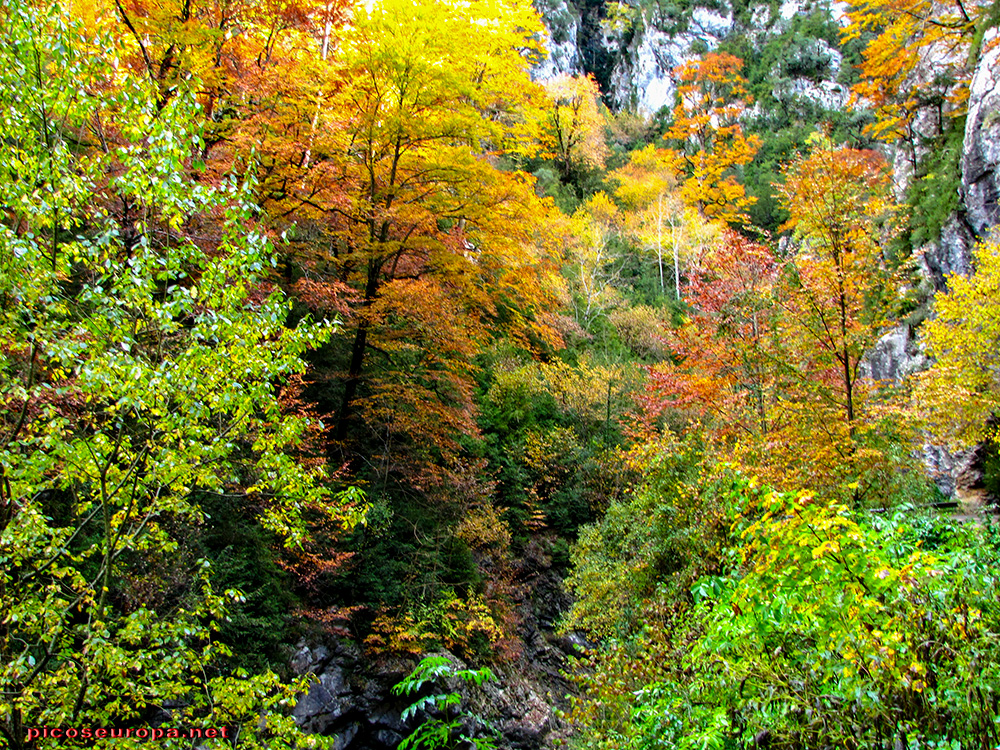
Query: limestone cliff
[(981, 146), (633, 54)]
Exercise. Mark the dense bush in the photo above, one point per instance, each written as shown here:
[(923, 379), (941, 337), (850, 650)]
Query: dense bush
[(832, 629)]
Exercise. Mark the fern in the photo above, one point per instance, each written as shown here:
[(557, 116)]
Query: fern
[(429, 669), (440, 733)]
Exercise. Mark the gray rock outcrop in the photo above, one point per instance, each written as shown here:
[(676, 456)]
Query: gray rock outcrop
[(561, 39), (981, 146), (895, 356), (351, 697), (635, 61), (951, 254)]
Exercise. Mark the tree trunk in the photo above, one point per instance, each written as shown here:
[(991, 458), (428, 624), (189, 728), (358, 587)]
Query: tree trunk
[(358, 350)]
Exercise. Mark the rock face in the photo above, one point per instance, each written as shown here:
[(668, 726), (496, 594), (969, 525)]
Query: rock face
[(352, 701), (895, 356), (956, 470), (634, 61), (641, 79), (981, 146), (951, 254), (562, 24)]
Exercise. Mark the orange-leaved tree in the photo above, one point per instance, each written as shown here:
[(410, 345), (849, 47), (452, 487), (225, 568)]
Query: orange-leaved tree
[(261, 74), (770, 359), (919, 61), (709, 143), (238, 51), (726, 374), (370, 131), (840, 294)]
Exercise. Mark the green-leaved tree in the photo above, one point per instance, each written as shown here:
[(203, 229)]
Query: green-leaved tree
[(142, 359)]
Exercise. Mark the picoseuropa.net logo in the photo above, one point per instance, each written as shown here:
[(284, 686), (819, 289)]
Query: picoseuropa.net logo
[(142, 733)]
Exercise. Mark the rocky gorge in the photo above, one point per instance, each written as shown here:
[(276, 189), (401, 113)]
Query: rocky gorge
[(632, 53)]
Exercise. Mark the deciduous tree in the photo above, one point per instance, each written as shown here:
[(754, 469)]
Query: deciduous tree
[(426, 90), (655, 212), (709, 140), (842, 293), (141, 370), (647, 185), (572, 127), (770, 357), (919, 61), (599, 258), (960, 393), (726, 375), (839, 295)]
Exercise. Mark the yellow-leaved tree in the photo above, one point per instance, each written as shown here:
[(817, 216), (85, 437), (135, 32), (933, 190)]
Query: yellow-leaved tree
[(655, 211), (597, 258), (918, 60), (426, 91), (961, 392), (147, 370), (571, 128)]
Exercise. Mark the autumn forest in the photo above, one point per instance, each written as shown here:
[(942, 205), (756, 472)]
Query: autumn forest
[(372, 378)]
